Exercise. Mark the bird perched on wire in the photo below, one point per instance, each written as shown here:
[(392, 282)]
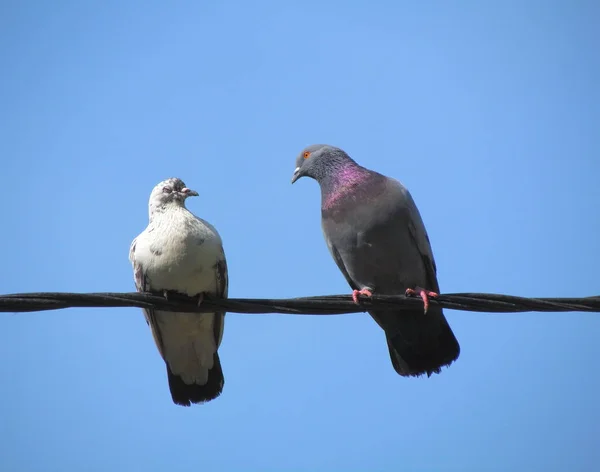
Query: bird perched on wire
[(376, 236), (182, 253)]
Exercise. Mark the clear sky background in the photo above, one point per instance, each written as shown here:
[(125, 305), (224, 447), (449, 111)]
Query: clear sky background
[(489, 112)]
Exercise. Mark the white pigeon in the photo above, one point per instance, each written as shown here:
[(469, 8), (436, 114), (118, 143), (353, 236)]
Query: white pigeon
[(182, 253)]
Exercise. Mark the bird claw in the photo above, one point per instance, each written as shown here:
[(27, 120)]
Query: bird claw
[(355, 293), (200, 296), (424, 294)]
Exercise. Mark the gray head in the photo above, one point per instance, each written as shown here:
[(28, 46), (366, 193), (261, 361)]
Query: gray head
[(169, 192), (320, 161)]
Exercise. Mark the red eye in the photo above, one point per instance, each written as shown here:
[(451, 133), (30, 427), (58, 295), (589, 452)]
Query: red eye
[(167, 189), (306, 154)]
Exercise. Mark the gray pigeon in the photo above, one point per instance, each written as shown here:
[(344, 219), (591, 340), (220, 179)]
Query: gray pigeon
[(179, 252), (377, 238)]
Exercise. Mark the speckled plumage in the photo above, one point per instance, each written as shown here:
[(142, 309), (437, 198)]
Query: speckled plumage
[(182, 253), (377, 238)]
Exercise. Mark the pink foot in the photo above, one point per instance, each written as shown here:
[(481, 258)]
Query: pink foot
[(424, 294), (355, 293)]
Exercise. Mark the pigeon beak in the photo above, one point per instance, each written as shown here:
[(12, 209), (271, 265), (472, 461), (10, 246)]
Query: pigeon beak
[(189, 192), (296, 174)]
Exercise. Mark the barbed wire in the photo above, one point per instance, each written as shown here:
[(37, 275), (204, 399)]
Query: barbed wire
[(320, 305)]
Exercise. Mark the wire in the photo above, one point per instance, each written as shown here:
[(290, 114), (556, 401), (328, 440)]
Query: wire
[(324, 305)]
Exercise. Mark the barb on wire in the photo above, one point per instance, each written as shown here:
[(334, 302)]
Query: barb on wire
[(323, 305)]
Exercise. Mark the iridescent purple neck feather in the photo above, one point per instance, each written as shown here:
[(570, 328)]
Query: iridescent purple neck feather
[(341, 182)]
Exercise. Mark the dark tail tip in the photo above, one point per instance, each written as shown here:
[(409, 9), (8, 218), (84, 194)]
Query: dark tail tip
[(423, 351), (414, 361), (185, 395)]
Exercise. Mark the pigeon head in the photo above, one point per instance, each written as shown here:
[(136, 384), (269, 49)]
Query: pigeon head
[(321, 161), (169, 192)]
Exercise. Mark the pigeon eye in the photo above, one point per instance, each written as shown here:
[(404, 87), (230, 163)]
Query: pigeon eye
[(306, 154), (167, 189)]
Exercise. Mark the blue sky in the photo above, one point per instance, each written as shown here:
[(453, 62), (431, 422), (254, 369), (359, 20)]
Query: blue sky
[(487, 111)]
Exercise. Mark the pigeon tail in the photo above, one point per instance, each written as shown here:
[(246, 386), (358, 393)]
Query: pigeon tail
[(186, 394), (418, 343)]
